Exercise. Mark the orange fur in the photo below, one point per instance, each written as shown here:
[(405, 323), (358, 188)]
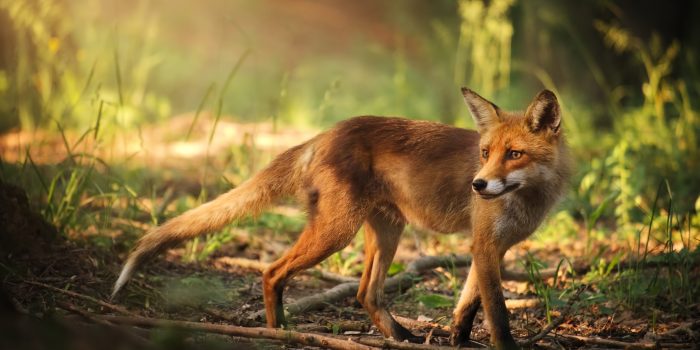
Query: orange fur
[(383, 173)]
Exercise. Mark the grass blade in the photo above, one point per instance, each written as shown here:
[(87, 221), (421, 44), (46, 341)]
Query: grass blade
[(37, 172), (99, 118), (65, 141), (118, 76), (199, 109)]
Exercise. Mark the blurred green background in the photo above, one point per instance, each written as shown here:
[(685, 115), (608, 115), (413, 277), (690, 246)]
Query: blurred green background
[(626, 72)]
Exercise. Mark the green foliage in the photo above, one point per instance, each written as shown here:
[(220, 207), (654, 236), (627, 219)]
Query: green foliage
[(484, 48), (275, 222), (347, 262), (653, 141), (543, 290), (557, 227), (195, 291), (434, 301), (395, 268), (56, 78)]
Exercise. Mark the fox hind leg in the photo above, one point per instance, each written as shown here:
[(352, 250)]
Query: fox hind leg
[(331, 228), (381, 240)]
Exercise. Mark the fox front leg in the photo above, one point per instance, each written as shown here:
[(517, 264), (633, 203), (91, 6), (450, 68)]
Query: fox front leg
[(487, 265), (465, 312)]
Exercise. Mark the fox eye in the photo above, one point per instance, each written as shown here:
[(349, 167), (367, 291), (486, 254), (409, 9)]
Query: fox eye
[(515, 154), (485, 153)]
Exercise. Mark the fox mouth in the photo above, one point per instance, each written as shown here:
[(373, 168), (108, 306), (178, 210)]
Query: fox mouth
[(508, 189)]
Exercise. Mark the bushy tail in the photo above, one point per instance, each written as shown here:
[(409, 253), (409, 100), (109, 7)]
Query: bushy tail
[(280, 178)]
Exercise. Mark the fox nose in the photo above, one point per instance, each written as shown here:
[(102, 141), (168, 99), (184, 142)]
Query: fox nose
[(479, 184)]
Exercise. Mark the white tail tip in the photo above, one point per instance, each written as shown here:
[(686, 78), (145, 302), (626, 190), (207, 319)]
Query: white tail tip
[(124, 277)]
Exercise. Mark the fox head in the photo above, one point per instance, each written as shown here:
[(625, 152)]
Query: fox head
[(517, 150)]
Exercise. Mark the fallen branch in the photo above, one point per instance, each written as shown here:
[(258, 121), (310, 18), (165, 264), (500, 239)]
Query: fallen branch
[(285, 336), (438, 329), (687, 328), (611, 343), (89, 317), (84, 297), (404, 280), (330, 327), (261, 266), (317, 301), (409, 277), (522, 276), (512, 304)]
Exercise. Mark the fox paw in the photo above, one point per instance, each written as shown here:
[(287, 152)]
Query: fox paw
[(458, 338), (400, 333)]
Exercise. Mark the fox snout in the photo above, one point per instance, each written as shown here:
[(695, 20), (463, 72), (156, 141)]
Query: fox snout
[(493, 188), (479, 184)]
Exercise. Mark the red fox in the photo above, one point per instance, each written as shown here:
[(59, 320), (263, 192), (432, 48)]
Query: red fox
[(386, 172)]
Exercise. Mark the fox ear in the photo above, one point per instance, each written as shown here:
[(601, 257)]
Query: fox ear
[(484, 112), (544, 112)]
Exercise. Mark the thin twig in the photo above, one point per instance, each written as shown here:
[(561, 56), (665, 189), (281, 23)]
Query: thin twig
[(383, 343), (611, 343), (339, 326), (82, 296)]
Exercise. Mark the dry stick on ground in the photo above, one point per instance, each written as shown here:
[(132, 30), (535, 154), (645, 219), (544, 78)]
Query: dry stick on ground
[(611, 343), (557, 321), (261, 266), (684, 328), (436, 328), (340, 326), (520, 276), (405, 279), (82, 296), (89, 317), (270, 333), (383, 343)]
